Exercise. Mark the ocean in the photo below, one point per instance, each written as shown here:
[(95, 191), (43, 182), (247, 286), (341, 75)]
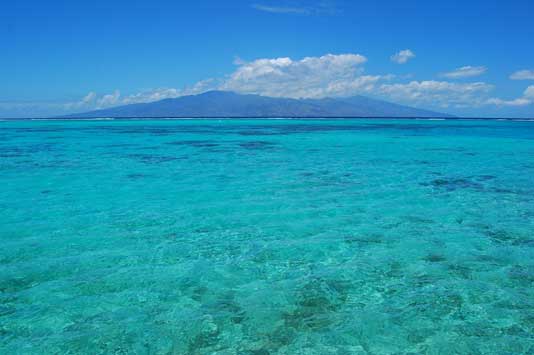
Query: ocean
[(352, 236)]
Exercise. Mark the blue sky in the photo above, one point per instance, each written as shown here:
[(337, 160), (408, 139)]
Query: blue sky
[(472, 58)]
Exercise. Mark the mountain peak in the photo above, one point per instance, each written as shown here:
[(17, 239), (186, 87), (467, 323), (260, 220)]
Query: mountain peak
[(218, 103)]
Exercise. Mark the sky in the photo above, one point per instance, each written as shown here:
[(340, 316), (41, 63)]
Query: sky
[(468, 58)]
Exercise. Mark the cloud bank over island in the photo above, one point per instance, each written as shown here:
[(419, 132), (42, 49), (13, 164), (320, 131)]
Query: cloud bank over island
[(329, 75)]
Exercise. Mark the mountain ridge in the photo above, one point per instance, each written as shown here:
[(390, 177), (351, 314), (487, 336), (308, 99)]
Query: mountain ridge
[(227, 104)]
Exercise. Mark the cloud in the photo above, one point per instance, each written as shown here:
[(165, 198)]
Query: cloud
[(515, 102), (90, 97), (94, 102), (343, 75), (330, 75), (151, 95), (403, 56), (437, 93), (108, 100), (465, 72), (313, 77), (310, 77), (529, 92), (282, 10), (523, 75), (526, 99), (87, 101), (323, 7)]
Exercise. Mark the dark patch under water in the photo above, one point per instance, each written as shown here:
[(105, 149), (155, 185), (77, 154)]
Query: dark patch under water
[(434, 258), (135, 176), (152, 158), (502, 236), (475, 183), (257, 145), (195, 143), (453, 184), (26, 149), (319, 240)]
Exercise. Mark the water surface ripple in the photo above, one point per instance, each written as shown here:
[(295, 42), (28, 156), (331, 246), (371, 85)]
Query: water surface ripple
[(267, 237)]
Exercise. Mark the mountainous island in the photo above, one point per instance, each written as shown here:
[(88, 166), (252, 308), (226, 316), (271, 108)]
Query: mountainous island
[(230, 104)]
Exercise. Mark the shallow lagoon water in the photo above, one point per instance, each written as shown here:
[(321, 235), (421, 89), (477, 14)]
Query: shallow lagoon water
[(267, 237)]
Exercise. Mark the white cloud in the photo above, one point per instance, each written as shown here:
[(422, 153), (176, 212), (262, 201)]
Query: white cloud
[(523, 75), (87, 101), (437, 93), (108, 100), (90, 97), (151, 95), (282, 10), (328, 75), (529, 92), (526, 99), (323, 7), (310, 77), (93, 102), (465, 72), (515, 102), (403, 56)]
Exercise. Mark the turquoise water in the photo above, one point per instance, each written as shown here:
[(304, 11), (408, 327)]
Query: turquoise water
[(267, 237)]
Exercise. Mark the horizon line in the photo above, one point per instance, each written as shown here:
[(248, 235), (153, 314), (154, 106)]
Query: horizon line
[(257, 118)]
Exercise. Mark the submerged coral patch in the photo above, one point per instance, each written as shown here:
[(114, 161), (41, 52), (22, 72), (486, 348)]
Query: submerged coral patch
[(453, 184), (152, 158), (257, 145), (196, 143), (297, 237)]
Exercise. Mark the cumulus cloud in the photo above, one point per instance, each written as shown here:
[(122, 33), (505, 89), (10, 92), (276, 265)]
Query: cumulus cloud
[(328, 75), (151, 95), (403, 56), (465, 72), (523, 75), (526, 99), (92, 101), (310, 77), (87, 101), (437, 93), (109, 100), (90, 97)]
